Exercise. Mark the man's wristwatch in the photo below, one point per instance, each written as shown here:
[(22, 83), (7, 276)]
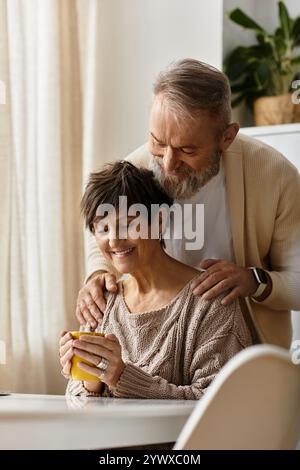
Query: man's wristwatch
[(261, 279)]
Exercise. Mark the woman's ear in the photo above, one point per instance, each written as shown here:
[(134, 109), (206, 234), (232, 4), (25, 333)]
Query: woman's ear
[(158, 223), (163, 218), (162, 225)]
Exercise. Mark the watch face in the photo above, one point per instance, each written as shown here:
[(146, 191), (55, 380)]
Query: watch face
[(262, 276)]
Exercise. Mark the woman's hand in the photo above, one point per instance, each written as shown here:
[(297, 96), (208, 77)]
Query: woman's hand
[(66, 351), (95, 348)]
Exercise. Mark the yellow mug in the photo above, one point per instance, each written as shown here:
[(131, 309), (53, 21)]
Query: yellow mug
[(76, 372)]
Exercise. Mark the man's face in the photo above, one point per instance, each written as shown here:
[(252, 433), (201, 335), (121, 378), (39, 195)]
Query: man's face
[(186, 152)]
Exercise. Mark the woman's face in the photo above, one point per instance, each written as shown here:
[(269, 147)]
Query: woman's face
[(128, 255)]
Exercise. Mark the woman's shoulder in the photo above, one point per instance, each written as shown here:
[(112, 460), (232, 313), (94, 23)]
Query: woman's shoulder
[(221, 320), (214, 310)]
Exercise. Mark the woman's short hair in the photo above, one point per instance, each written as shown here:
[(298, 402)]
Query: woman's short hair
[(121, 178)]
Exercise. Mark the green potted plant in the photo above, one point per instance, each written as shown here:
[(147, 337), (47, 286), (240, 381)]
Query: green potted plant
[(261, 75)]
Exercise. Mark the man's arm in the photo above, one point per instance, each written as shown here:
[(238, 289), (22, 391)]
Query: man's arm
[(283, 274), (285, 247)]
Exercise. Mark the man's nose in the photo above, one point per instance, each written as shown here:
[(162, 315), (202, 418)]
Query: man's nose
[(170, 161)]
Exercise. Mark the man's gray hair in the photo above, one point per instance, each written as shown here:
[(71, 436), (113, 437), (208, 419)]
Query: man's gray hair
[(189, 86)]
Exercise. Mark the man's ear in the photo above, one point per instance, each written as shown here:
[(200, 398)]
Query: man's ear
[(229, 135)]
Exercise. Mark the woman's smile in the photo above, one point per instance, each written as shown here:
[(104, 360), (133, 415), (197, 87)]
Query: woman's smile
[(122, 253)]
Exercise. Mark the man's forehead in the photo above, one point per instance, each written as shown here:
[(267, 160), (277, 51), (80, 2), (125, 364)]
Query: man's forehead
[(178, 136), (165, 125)]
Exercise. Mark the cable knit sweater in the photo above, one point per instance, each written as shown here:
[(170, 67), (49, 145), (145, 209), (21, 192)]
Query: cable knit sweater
[(173, 352)]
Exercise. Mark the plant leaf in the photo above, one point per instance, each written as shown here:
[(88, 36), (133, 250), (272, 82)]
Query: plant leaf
[(238, 63), (295, 35), (243, 59), (248, 96), (264, 68), (238, 100), (280, 41), (262, 75), (238, 87), (240, 18), (261, 37), (284, 19)]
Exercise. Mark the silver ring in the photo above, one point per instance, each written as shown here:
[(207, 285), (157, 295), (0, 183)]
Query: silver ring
[(103, 364)]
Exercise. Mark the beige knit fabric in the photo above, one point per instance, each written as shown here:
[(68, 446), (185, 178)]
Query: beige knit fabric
[(173, 352)]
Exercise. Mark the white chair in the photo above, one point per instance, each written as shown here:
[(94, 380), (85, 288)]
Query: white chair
[(254, 403)]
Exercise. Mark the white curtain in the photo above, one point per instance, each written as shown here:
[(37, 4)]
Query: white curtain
[(46, 140)]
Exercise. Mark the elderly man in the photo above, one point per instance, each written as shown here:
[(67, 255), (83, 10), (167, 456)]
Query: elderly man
[(251, 197)]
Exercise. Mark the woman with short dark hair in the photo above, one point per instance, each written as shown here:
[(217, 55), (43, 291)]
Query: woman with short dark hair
[(161, 341)]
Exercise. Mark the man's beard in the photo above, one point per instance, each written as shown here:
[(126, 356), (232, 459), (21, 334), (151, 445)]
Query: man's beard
[(191, 184)]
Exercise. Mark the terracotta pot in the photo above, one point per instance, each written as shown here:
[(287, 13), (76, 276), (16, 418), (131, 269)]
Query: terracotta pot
[(280, 109)]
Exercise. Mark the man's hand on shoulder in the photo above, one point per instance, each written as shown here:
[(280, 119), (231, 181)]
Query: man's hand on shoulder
[(91, 302), (221, 276)]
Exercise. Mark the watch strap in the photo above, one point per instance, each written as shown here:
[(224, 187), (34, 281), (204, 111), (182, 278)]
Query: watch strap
[(261, 285), (260, 290)]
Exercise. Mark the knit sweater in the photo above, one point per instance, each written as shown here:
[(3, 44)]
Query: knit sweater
[(173, 352)]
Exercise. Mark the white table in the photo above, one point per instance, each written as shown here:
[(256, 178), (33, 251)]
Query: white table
[(53, 422)]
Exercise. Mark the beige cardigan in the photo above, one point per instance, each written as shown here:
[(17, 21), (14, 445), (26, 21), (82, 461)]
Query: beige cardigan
[(263, 190)]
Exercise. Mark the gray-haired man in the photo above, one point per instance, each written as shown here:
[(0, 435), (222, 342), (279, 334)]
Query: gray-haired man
[(251, 196)]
